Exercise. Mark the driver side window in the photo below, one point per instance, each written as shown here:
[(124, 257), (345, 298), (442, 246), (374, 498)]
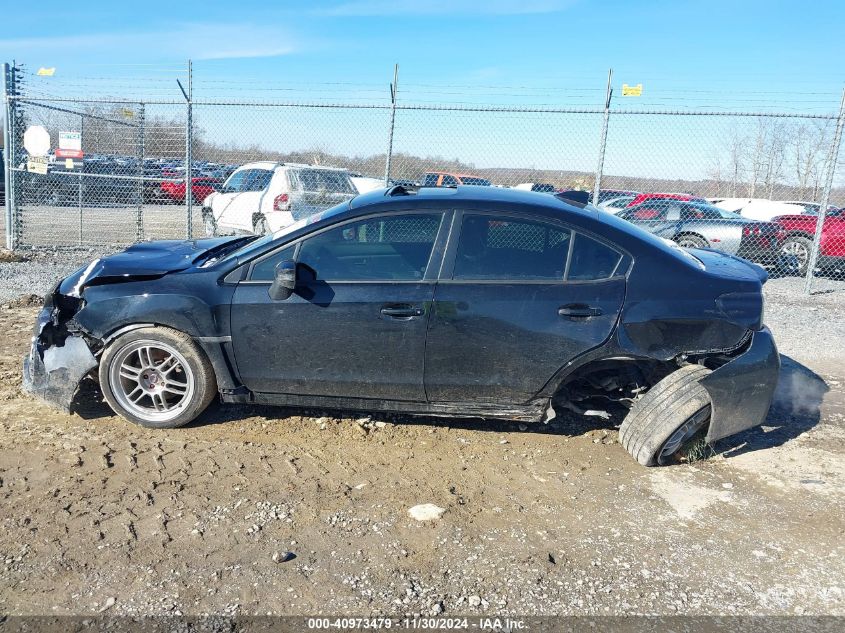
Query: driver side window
[(386, 248)]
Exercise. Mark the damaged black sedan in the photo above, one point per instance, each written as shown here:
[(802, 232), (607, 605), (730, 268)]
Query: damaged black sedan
[(467, 301)]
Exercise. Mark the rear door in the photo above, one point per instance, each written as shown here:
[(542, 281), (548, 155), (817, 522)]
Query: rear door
[(520, 297)]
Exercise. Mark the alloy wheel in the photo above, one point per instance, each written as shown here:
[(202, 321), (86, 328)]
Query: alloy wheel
[(152, 380)]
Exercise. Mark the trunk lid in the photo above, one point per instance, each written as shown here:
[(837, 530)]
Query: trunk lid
[(725, 265)]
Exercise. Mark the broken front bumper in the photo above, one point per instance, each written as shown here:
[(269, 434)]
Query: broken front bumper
[(741, 390), (53, 372)]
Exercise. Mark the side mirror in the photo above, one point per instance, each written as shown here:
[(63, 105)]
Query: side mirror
[(284, 280)]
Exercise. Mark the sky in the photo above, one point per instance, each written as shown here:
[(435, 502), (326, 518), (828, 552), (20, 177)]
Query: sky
[(715, 55)]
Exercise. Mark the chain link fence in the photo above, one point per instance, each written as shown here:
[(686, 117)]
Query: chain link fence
[(762, 185)]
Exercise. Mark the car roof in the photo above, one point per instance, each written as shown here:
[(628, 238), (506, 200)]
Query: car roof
[(269, 164), (460, 193), (455, 173)]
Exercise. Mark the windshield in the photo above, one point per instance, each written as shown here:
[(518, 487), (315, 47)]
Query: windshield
[(712, 212)]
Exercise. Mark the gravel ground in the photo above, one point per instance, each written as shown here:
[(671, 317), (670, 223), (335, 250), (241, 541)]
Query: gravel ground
[(98, 514)]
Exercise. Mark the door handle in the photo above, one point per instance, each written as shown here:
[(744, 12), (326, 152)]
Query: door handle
[(578, 311), (402, 312)]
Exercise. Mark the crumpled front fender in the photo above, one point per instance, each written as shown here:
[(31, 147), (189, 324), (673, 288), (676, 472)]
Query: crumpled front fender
[(53, 373), (741, 390)]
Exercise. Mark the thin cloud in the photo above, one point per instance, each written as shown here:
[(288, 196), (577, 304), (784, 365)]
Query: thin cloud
[(444, 7), (197, 41)]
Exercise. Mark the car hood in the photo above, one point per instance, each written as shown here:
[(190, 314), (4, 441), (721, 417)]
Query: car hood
[(146, 260)]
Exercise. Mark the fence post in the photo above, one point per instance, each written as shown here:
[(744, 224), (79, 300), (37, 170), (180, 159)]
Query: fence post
[(603, 144), (139, 220), (7, 162), (79, 183), (189, 141), (828, 184), (389, 156)]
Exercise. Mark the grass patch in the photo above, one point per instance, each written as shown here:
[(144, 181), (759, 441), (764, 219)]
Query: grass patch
[(9, 257), (697, 450)]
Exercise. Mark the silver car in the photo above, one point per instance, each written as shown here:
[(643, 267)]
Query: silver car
[(701, 225)]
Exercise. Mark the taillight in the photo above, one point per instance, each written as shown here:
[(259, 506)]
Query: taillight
[(281, 202), (750, 229)]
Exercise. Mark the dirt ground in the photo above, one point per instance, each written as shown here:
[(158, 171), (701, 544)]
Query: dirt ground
[(98, 515)]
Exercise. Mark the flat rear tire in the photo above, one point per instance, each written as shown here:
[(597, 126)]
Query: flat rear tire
[(667, 417)]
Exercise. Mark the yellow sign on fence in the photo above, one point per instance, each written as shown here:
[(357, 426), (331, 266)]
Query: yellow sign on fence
[(632, 91), (37, 164)]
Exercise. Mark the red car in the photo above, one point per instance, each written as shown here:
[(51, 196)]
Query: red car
[(643, 197), (174, 192), (800, 230)]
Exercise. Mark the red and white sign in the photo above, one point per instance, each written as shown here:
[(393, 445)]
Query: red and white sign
[(68, 153)]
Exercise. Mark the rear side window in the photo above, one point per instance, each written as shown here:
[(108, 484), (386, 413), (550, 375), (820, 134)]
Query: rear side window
[(259, 180), (592, 260), (430, 180), (449, 181), (507, 249), (321, 180)]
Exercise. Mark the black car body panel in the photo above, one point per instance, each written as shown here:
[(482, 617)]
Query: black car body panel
[(437, 344)]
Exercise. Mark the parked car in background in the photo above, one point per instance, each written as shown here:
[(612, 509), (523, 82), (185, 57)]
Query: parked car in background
[(609, 194), (811, 208), (265, 196), (645, 197), (447, 179), (800, 231), (173, 192), (700, 225), (615, 205), (363, 184), (541, 187), (533, 304), (759, 208)]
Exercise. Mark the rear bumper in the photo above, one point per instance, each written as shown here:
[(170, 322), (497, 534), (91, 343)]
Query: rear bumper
[(741, 390), (760, 251)]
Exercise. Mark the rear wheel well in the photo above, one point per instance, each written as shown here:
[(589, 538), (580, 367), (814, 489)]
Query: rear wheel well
[(611, 380), (691, 234)]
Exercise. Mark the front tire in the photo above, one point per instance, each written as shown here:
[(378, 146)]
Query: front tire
[(156, 377), (667, 417)]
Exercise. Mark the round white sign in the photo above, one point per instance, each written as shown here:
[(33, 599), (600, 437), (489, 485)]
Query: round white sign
[(36, 140)]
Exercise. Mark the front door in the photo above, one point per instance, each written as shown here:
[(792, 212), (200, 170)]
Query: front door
[(525, 297), (356, 327)]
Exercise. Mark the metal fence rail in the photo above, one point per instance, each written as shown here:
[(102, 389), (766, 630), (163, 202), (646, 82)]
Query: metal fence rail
[(149, 162)]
